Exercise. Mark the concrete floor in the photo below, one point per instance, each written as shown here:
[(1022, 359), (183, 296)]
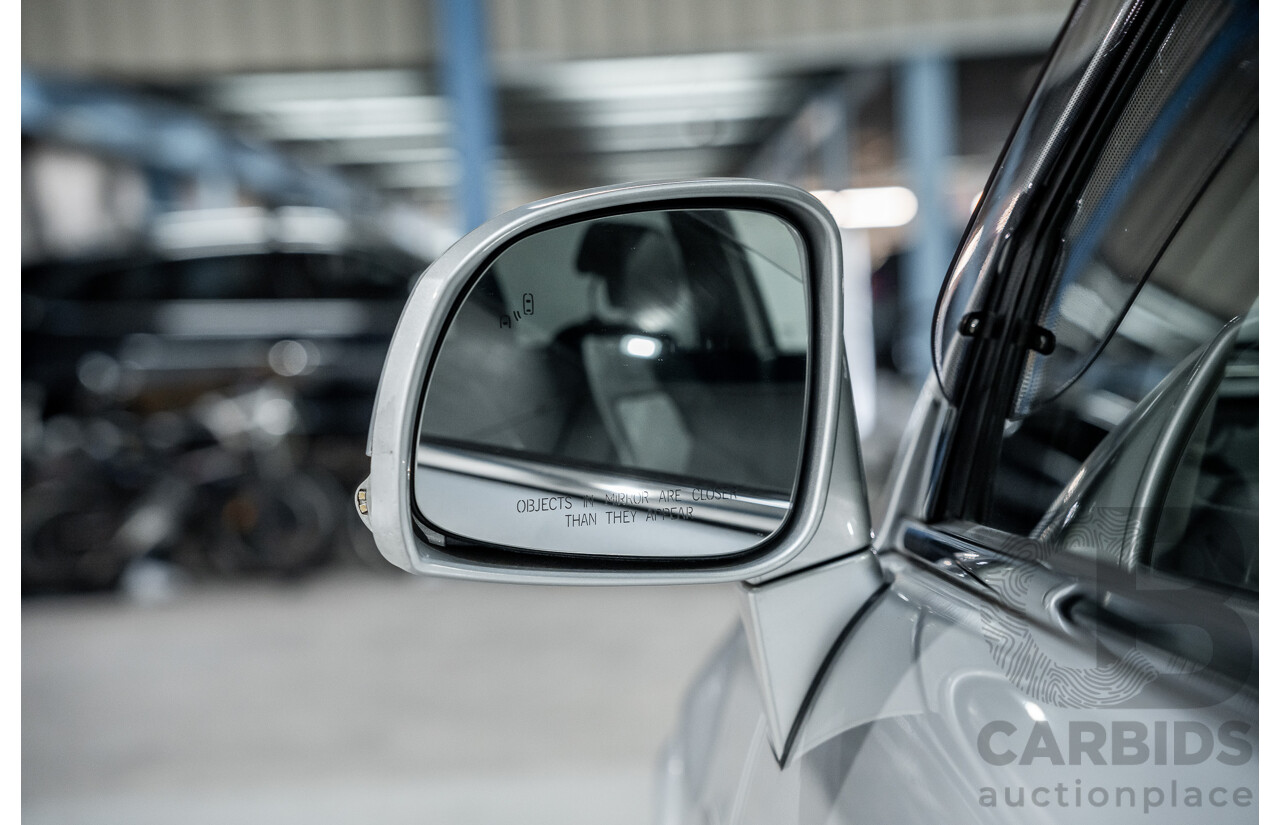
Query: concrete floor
[(366, 697), (358, 698)]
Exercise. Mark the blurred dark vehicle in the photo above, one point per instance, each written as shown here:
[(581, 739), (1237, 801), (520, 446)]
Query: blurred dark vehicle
[(196, 403)]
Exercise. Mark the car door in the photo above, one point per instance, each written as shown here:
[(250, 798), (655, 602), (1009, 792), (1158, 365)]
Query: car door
[(1070, 629)]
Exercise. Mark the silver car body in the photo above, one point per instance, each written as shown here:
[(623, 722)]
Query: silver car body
[(990, 680)]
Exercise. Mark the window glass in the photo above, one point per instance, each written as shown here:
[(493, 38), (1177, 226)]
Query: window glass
[(1208, 527), (1091, 438), (1207, 275), (1185, 115)]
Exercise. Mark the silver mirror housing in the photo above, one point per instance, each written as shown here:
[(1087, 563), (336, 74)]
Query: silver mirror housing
[(411, 541)]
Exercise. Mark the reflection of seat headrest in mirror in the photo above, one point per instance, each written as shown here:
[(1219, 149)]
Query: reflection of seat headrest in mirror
[(641, 418), (645, 282), (489, 388), (645, 291)]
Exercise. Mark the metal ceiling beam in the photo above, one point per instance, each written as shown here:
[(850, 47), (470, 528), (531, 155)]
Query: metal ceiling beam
[(163, 40)]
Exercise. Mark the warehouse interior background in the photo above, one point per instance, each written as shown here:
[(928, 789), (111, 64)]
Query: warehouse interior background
[(332, 149)]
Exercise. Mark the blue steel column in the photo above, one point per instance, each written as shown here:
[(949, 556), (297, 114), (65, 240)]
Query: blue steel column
[(927, 106), (467, 83)]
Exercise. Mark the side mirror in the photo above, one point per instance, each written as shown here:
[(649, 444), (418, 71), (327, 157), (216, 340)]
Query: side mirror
[(632, 384)]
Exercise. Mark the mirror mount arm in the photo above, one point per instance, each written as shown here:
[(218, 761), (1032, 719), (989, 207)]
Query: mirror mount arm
[(793, 626), (799, 614)]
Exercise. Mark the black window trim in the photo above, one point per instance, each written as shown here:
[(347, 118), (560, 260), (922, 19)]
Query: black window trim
[(972, 448)]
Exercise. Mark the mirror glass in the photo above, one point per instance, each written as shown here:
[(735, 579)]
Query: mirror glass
[(632, 385)]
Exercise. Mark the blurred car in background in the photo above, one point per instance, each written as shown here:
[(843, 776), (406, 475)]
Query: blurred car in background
[(202, 402)]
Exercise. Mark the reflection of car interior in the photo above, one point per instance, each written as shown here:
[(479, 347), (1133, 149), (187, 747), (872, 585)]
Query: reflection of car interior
[(1175, 487), (643, 311), (1206, 275), (686, 364), (648, 371), (492, 389), (1209, 518)]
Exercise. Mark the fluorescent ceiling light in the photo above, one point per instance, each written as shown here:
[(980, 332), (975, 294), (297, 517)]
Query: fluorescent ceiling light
[(727, 73), (870, 207)]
